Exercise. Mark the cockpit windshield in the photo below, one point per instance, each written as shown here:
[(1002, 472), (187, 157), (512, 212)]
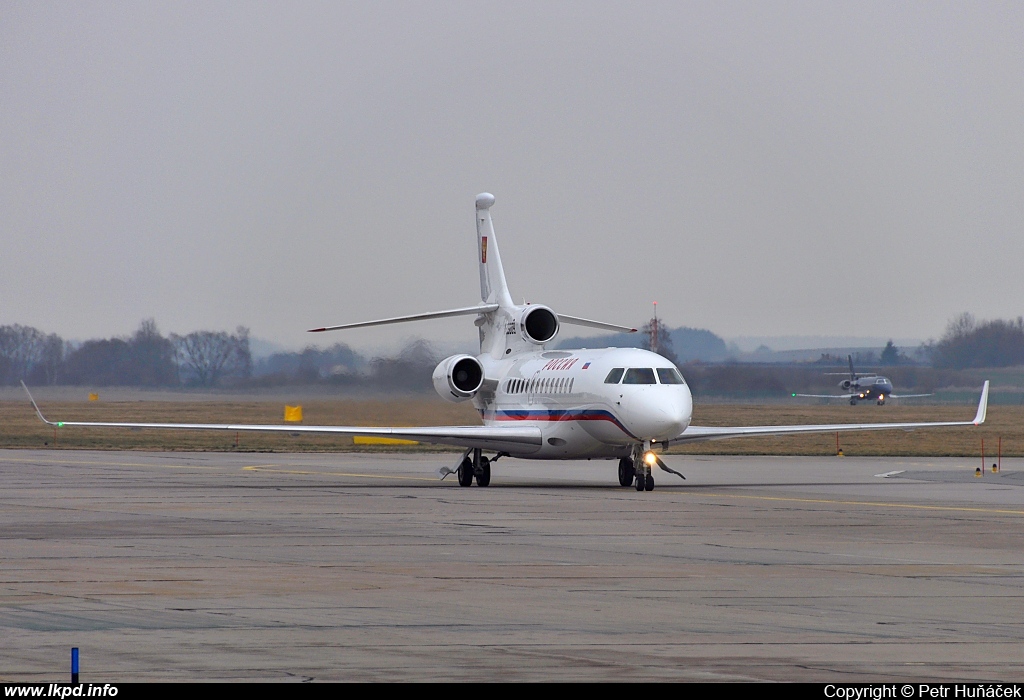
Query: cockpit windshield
[(614, 376), (639, 375), (670, 375), (644, 375)]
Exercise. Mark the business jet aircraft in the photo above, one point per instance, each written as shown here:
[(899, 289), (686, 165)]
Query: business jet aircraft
[(866, 387), (612, 403)]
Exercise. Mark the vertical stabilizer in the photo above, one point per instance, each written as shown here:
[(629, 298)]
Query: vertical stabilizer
[(493, 288)]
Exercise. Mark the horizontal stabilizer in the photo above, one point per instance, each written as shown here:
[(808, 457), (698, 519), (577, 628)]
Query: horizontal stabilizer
[(467, 311), (576, 321)]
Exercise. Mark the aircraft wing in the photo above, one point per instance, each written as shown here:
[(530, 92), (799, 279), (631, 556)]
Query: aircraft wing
[(827, 396), (696, 433), (502, 439), (908, 396)]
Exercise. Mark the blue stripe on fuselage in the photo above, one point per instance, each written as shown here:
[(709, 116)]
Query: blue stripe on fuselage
[(554, 416)]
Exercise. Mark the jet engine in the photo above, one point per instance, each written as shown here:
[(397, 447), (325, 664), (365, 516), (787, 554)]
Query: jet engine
[(845, 384), (538, 324), (458, 377)]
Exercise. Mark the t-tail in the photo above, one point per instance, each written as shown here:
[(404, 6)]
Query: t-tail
[(505, 327), (493, 287)]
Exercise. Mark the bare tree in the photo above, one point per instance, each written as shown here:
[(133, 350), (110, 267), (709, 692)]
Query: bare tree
[(208, 356), (410, 371), (22, 348), (50, 368)]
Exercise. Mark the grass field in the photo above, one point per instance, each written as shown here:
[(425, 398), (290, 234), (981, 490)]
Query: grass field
[(20, 428)]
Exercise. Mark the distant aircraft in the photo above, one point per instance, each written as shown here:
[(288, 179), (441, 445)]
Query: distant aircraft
[(866, 387), (622, 404)]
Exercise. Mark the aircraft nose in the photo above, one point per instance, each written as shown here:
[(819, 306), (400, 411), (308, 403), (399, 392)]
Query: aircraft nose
[(658, 412)]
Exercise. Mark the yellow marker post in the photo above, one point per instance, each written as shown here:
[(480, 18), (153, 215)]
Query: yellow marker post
[(367, 440), (94, 397), (293, 414)]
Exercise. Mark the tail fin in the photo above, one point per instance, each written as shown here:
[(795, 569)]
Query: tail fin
[(493, 288), (853, 375)]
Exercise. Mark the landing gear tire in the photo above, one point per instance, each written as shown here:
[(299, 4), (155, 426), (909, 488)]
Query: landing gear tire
[(853, 402), (649, 483), (466, 472), (626, 472), (640, 482), (483, 477)]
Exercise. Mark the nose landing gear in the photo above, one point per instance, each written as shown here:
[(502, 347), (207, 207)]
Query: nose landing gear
[(633, 471), (637, 470)]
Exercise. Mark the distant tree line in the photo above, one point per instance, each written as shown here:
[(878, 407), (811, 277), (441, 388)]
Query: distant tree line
[(201, 359), (339, 365), (969, 343), (218, 358), (147, 358), (683, 344)]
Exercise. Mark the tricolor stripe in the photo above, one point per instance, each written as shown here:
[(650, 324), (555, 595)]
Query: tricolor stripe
[(555, 416)]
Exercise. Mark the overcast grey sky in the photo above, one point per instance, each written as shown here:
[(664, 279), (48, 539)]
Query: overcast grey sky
[(766, 168)]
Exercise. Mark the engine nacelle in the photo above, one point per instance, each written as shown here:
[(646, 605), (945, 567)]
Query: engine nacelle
[(458, 377), (538, 324), (845, 384)]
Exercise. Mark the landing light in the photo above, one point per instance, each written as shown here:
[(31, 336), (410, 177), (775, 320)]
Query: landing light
[(650, 458)]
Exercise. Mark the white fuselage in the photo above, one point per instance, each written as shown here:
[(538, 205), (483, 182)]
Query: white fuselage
[(580, 411)]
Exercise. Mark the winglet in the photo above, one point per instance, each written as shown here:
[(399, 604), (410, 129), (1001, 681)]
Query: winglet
[(982, 405), (35, 406)]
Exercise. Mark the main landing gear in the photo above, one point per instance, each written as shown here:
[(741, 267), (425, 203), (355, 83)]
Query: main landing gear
[(479, 467), (626, 471)]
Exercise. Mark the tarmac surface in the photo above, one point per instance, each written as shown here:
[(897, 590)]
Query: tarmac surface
[(366, 567)]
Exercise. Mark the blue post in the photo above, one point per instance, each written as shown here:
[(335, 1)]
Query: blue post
[(74, 664)]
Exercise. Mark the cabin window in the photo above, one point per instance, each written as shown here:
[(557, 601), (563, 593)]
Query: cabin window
[(639, 375), (670, 375), (614, 376)]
